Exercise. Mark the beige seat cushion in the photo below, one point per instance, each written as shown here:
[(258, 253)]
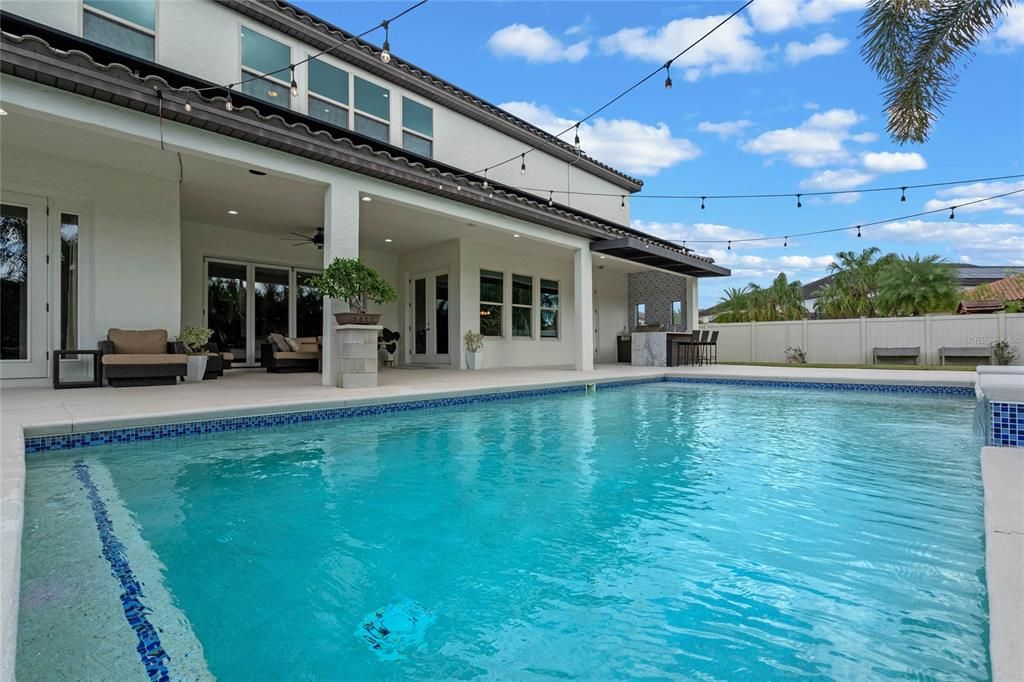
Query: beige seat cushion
[(138, 341), (228, 356), (278, 342), (308, 348), (289, 355), (145, 359)]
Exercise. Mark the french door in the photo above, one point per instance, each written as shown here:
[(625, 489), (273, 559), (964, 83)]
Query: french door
[(246, 302), (429, 329), (23, 290)]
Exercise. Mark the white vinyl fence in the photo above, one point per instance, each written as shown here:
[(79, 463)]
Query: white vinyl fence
[(852, 341)]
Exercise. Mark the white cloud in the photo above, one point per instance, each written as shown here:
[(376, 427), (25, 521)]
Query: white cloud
[(1001, 243), (626, 144), (1010, 33), (824, 45), (724, 128), (535, 44), (962, 194), (816, 142), (693, 231), (893, 162), (864, 138), (806, 262), (730, 49), (842, 179), (779, 15)]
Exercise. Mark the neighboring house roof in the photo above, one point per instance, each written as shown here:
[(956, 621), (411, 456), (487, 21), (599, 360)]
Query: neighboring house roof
[(979, 307), (137, 85), (311, 29), (813, 289), (1006, 289), (973, 275)]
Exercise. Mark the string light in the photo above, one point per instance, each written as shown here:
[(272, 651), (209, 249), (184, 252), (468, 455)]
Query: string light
[(860, 226), (785, 242), (551, 198), (952, 212), (228, 104), (385, 54), (798, 204), (702, 203), (622, 206), (577, 141), (668, 75), (485, 178), (858, 231), (295, 85), (522, 167), (903, 193), (188, 104)]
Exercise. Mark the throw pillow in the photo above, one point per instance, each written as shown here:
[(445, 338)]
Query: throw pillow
[(279, 343), (293, 344)]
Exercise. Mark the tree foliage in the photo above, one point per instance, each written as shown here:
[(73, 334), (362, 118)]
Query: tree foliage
[(915, 47), (779, 301), (916, 286), (851, 293)]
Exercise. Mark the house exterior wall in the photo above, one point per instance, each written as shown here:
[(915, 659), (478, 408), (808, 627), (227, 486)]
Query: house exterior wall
[(201, 38), (610, 318), (130, 242)]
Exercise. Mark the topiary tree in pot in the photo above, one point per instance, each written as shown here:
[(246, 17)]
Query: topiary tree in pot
[(194, 339), (353, 281)]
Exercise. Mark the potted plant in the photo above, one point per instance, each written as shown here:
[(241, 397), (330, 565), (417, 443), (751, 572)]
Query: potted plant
[(474, 349), (194, 339), (353, 281)]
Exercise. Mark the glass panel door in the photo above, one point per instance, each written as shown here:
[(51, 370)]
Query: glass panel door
[(23, 320), (309, 307), (270, 295), (429, 327), (226, 311)]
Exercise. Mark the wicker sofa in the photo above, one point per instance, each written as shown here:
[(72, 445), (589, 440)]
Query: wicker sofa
[(305, 358), (142, 358)]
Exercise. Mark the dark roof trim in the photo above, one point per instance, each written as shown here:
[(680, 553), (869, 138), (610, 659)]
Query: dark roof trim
[(657, 256), (312, 30), (32, 58)]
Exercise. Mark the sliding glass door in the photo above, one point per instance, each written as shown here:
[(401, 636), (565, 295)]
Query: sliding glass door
[(430, 328), (246, 302)]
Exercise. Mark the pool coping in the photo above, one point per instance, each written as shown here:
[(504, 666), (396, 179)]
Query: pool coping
[(12, 493)]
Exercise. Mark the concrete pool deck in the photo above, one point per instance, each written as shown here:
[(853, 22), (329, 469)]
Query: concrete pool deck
[(43, 411)]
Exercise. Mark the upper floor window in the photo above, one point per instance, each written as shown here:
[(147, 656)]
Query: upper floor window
[(373, 110), (125, 25), (417, 128), (328, 93), (262, 55)]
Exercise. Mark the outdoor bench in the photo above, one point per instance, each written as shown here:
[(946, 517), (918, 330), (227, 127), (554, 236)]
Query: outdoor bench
[(965, 352), (912, 352)]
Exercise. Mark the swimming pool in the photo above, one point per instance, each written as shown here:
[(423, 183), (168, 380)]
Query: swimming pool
[(661, 530)]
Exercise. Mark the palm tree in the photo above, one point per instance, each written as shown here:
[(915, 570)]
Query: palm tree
[(916, 286), (734, 305), (915, 47), (851, 293)]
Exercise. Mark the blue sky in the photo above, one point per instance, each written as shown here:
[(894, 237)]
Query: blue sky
[(776, 101)]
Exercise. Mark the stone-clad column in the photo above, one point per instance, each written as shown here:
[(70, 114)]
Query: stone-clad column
[(341, 240), (355, 355)]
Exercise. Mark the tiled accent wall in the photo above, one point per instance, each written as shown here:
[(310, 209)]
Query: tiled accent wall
[(657, 290), (1007, 424)]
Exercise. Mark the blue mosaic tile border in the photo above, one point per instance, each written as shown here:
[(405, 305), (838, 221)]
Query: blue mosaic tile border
[(145, 433), (151, 652), (830, 386), (1007, 424)]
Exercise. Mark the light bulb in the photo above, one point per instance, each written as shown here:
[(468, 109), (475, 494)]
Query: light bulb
[(903, 193), (522, 167), (228, 105), (188, 106), (385, 54), (798, 204), (295, 89), (702, 203), (858, 230)]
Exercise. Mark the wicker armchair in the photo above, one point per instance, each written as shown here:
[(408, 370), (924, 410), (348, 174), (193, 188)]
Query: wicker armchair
[(142, 358)]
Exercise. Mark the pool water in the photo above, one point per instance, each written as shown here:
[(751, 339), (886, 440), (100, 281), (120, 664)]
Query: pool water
[(665, 530)]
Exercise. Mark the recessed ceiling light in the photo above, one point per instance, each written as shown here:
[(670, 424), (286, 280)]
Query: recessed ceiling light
[(516, 236), (388, 241), (602, 257), (232, 212), (367, 198), (256, 172), (2, 112)]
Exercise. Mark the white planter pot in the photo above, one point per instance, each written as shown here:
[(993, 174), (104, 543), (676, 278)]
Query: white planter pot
[(475, 360), (196, 368)]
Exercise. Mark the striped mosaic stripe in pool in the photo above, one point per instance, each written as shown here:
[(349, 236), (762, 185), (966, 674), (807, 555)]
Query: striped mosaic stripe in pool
[(144, 433)]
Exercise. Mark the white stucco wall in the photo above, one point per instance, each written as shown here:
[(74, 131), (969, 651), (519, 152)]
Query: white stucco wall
[(538, 262), (610, 292), (130, 241), (201, 38)]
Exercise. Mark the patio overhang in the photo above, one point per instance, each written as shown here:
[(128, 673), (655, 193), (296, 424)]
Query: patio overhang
[(657, 256)]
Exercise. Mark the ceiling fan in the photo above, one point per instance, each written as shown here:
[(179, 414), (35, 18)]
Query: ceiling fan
[(316, 240)]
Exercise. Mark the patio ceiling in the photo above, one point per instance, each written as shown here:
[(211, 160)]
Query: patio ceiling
[(655, 256)]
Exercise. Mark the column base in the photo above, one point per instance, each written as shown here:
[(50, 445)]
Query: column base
[(354, 355)]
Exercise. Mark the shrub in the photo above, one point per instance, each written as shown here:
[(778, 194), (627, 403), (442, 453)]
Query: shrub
[(195, 339), (474, 341), (1003, 352), (796, 356)]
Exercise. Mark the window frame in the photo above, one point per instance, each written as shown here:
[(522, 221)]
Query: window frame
[(310, 93), (541, 308), (529, 306), (500, 304), (672, 313), (153, 32), (356, 111), (639, 321), (416, 133), (247, 72)]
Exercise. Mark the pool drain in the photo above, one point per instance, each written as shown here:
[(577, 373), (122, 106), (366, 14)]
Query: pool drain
[(394, 629)]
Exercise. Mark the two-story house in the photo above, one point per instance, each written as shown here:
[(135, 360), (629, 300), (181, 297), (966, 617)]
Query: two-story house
[(170, 163)]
